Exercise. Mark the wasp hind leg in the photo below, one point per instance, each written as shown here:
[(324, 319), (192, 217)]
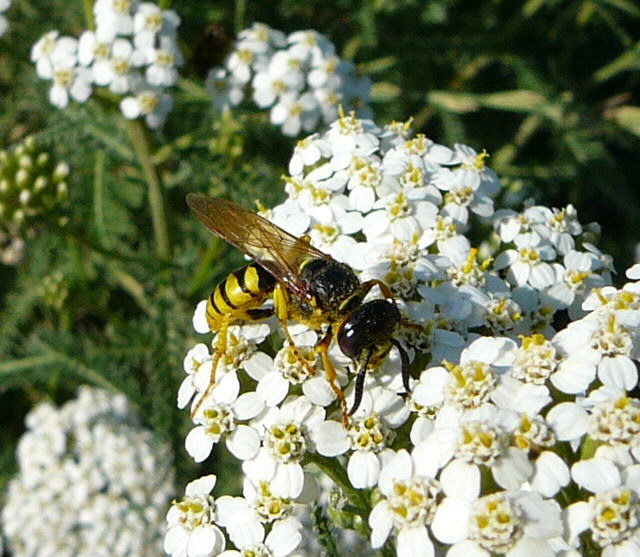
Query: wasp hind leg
[(219, 351)]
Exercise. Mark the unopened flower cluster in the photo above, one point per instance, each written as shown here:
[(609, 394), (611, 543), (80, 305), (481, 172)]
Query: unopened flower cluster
[(91, 482), (519, 434), (33, 188), (299, 77), (133, 52)]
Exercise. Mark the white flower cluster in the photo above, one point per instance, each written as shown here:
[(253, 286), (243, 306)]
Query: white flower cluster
[(519, 435), (4, 24), (133, 52), (299, 77), (91, 482)]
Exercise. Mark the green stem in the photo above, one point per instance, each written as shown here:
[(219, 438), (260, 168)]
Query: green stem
[(140, 142), (332, 468), (88, 13), (241, 8)]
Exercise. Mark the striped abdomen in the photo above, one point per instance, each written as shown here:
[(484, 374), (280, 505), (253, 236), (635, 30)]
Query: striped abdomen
[(239, 294)]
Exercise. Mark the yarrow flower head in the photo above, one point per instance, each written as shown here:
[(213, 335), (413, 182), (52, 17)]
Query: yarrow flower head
[(89, 477), (299, 77), (501, 377), (133, 51)]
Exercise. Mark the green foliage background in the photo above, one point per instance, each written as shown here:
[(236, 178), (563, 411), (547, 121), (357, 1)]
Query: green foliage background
[(548, 87)]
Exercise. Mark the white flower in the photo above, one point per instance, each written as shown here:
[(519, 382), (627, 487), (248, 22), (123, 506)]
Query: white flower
[(148, 101), (527, 265), (69, 81), (91, 49), (118, 71), (163, 62), (149, 22), (283, 539), (191, 528), (113, 17), (410, 497), (295, 113), (612, 514), (505, 523), (218, 418), (288, 432), (610, 347), (225, 91)]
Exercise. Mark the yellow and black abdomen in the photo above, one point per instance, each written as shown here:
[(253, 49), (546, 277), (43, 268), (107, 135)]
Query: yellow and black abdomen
[(238, 297)]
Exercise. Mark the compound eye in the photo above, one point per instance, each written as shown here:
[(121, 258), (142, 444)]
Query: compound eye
[(351, 337), (369, 326)]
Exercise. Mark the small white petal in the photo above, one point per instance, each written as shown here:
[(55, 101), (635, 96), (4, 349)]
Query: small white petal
[(414, 541), (596, 474), (244, 442), (363, 469), (331, 439)]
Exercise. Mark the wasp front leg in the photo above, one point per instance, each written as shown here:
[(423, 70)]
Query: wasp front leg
[(281, 309)]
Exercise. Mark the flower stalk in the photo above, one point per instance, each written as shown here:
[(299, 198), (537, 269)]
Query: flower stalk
[(155, 191)]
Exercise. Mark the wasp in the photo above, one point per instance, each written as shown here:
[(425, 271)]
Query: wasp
[(306, 285)]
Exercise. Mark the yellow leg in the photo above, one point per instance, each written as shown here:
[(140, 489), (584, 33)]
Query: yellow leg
[(323, 349), (280, 304), (218, 352)]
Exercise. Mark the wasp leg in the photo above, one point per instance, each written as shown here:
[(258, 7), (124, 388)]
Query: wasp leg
[(280, 305), (384, 288), (218, 352), (357, 398), (330, 372), (404, 358)]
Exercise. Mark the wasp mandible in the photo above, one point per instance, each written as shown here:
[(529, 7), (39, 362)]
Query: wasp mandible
[(306, 285)]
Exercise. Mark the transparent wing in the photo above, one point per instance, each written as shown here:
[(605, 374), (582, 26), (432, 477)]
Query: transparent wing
[(276, 250)]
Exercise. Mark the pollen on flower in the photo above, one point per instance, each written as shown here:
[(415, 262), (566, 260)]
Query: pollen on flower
[(120, 66), (148, 102), (533, 433), (63, 77), (195, 511), (459, 195), (364, 172), (480, 443), (295, 363), (470, 385), (269, 507), (286, 442), (495, 523), (469, 272), (348, 125), (445, 228), (412, 177), (535, 360), (217, 420), (368, 434), (616, 516), (612, 339), (502, 314), (616, 422), (413, 501)]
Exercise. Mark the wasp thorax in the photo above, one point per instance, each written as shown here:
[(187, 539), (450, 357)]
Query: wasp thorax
[(332, 283), (370, 326)]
